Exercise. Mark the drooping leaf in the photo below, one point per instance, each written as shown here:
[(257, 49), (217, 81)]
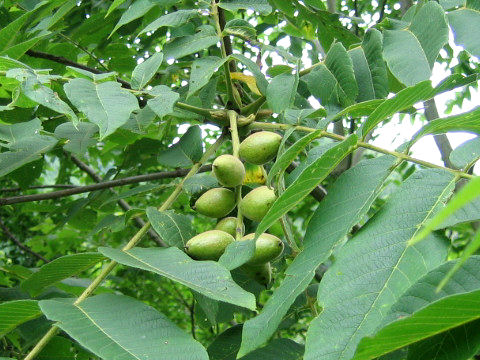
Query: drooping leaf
[(105, 104), (467, 213), (346, 203), (334, 82), (115, 326), (471, 248), (422, 294), (262, 6), (469, 121), (369, 67), (376, 266), (24, 151), (429, 25), (237, 253), (226, 345), (144, 72), (202, 71), (190, 44), (175, 229), (455, 311), (164, 101), (306, 182), (79, 138), (421, 40), (59, 269), (206, 277), (404, 99), (173, 19), (32, 86), (466, 154), (134, 11), (15, 132), (466, 194), (281, 92), (186, 151), (15, 313), (462, 21)]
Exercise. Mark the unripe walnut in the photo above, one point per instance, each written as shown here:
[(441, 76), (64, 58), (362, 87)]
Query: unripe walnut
[(260, 147), (229, 225), (208, 245), (216, 202), (257, 202), (267, 248), (228, 170)]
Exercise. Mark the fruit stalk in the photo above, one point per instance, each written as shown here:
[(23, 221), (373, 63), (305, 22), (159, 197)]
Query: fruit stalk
[(133, 241), (232, 116)]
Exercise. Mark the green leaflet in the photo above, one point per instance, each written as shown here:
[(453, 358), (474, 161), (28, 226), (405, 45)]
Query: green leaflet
[(421, 40), (105, 104), (14, 313), (466, 154), (346, 203), (290, 154), (119, 327), (145, 71), (306, 182), (59, 269), (206, 277), (469, 121), (419, 311), (462, 21), (369, 67), (468, 193), (175, 229), (377, 266)]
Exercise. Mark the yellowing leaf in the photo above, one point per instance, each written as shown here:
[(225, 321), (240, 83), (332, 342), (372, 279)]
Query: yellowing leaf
[(247, 79)]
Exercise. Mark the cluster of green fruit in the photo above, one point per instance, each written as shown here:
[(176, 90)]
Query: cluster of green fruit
[(258, 149)]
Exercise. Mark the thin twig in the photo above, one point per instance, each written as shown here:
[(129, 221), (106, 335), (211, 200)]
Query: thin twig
[(51, 186), (73, 190), (19, 243), (403, 156), (122, 203), (382, 10), (65, 61), (85, 50)]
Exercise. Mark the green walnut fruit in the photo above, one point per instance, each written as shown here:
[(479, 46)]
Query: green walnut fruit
[(276, 229), (257, 202), (216, 202), (260, 147), (260, 273), (267, 248), (229, 225), (208, 245), (228, 170)]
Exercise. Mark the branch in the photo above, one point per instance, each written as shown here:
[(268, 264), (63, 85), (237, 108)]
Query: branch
[(402, 156), (52, 186), (441, 140), (65, 61), (382, 10), (122, 203), (19, 243), (73, 190)]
